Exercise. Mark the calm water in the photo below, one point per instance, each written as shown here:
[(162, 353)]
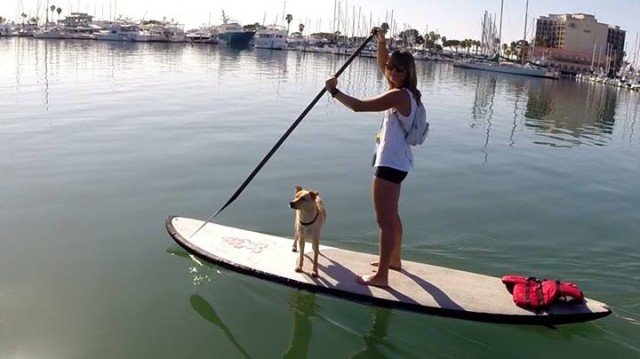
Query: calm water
[(100, 142)]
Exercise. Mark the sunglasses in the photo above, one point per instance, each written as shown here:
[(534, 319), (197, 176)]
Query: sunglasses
[(398, 68)]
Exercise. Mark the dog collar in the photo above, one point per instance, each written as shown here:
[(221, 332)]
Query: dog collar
[(312, 221)]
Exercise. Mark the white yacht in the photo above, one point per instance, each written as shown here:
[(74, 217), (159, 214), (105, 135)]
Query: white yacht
[(5, 30), (50, 32), (272, 37), (203, 35), (165, 33), (79, 25), (84, 32), (118, 32), (508, 68)]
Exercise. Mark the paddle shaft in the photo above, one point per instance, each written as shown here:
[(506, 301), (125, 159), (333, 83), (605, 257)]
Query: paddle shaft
[(286, 134)]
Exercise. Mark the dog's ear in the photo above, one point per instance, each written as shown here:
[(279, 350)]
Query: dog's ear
[(314, 194), (297, 189)]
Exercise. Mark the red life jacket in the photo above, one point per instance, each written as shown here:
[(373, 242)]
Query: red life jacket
[(534, 293)]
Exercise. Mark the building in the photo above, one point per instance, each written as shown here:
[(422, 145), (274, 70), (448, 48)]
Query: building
[(576, 43), (77, 19)]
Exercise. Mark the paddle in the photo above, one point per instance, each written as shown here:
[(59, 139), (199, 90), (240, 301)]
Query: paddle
[(266, 158), (202, 307)]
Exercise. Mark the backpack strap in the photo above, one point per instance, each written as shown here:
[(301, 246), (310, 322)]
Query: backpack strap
[(402, 127)]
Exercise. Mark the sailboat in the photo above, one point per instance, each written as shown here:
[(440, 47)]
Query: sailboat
[(495, 65)]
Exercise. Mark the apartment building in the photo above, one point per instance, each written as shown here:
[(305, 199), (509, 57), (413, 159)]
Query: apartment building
[(576, 43)]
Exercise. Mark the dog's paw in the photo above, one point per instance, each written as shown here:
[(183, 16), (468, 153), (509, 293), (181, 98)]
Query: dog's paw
[(314, 274), (299, 269), (294, 249)]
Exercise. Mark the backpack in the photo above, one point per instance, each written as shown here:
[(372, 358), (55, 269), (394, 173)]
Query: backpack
[(419, 128)]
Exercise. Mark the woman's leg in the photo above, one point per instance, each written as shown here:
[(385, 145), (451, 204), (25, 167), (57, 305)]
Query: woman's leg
[(396, 254), (386, 195)]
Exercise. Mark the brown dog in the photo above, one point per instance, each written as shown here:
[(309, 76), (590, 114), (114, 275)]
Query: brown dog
[(310, 216)]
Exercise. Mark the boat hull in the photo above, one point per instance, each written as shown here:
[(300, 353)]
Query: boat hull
[(235, 38), (272, 44), (508, 69)]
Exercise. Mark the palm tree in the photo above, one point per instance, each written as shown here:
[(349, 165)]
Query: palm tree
[(289, 18), (59, 10), (301, 28), (24, 16), (436, 37)]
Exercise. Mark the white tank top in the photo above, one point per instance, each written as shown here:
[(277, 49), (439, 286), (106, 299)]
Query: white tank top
[(392, 150)]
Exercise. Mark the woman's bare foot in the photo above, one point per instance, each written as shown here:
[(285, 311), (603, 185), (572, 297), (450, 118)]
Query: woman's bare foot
[(372, 280), (393, 266)]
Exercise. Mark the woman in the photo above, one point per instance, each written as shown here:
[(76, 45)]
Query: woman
[(393, 157)]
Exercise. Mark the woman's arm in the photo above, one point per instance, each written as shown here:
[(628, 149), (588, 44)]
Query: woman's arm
[(383, 53), (394, 98)]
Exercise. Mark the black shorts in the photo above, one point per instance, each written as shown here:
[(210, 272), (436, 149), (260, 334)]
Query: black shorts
[(390, 174)]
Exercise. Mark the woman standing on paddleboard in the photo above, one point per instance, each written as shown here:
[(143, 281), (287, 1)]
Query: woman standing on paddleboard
[(393, 157)]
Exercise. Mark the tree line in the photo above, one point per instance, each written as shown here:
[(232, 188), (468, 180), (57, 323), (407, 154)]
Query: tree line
[(35, 19), (430, 40)]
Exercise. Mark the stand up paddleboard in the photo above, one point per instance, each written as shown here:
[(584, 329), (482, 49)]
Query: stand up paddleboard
[(417, 287)]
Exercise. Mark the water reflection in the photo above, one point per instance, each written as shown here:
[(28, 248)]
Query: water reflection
[(374, 338), (561, 113), (271, 60), (303, 308), (206, 311), (483, 107), (568, 114), (271, 64), (558, 113), (484, 98), (42, 62)]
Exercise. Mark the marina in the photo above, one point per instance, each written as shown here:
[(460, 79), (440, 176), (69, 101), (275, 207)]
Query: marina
[(274, 38), (500, 65), (102, 140), (522, 59)]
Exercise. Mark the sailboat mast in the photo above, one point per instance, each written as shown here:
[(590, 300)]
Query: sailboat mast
[(593, 55), (284, 16), (524, 38), (500, 31), (635, 53), (526, 16), (391, 30), (335, 7)]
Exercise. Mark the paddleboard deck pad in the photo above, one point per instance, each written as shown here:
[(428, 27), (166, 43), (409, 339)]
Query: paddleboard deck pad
[(418, 287)]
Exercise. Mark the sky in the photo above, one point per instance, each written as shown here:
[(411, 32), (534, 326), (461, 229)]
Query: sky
[(454, 19)]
